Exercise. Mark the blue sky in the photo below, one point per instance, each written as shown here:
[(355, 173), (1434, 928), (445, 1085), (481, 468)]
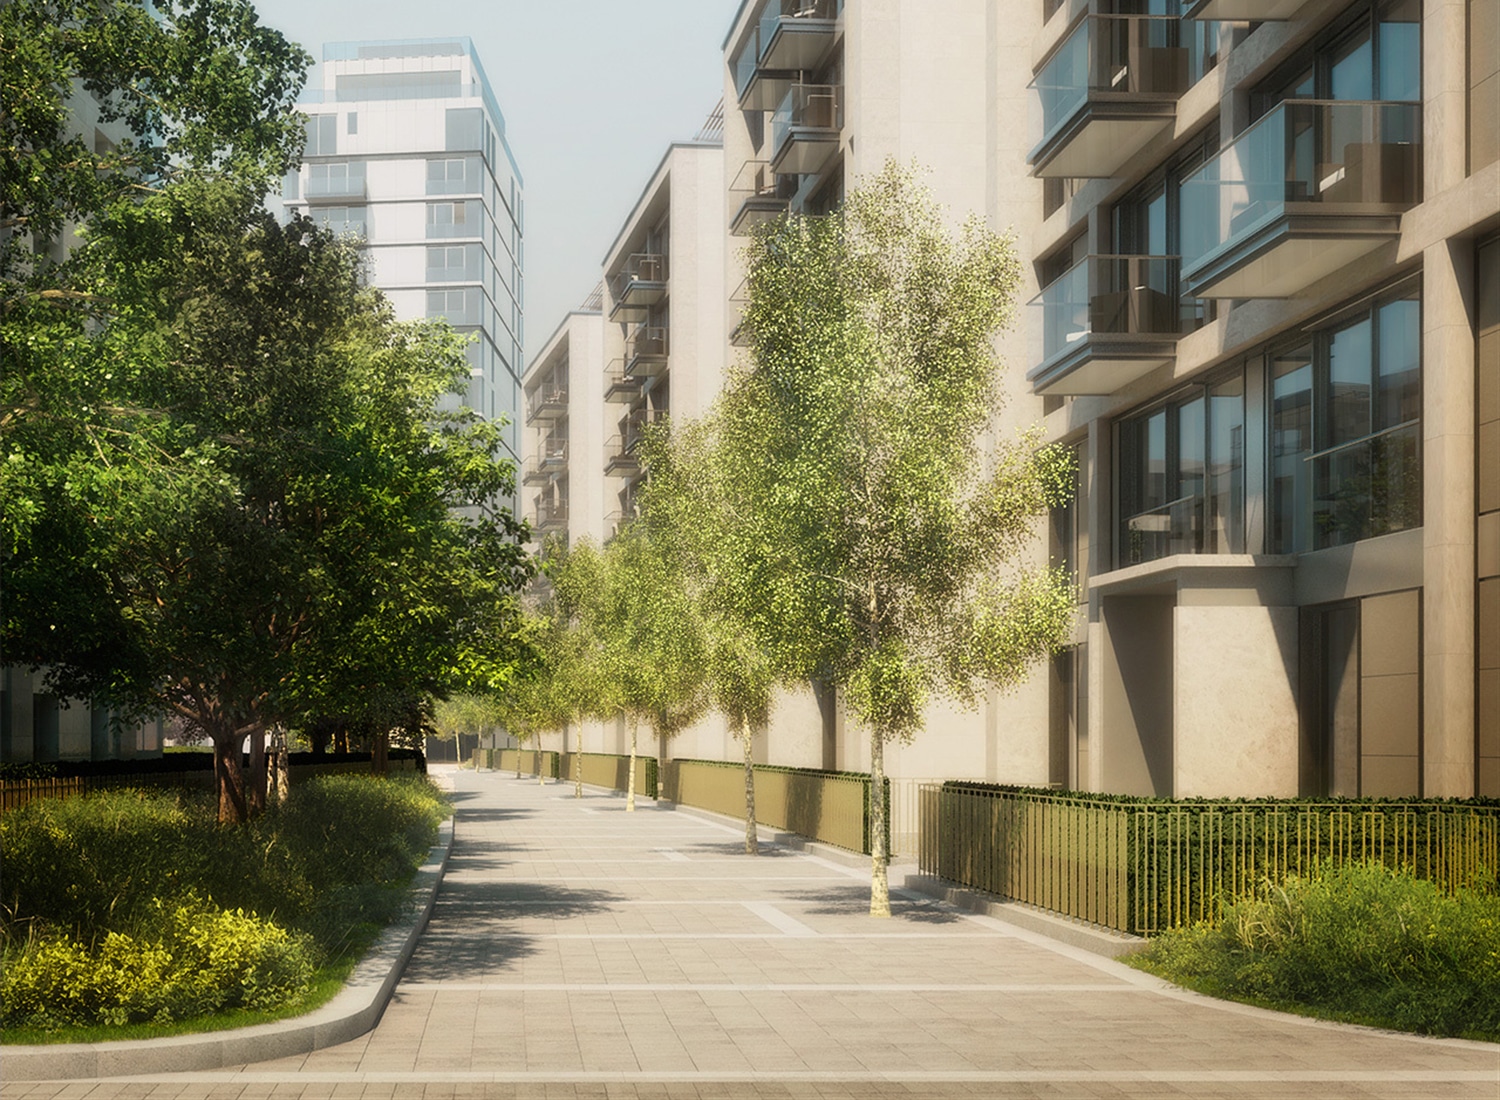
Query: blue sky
[(592, 90)]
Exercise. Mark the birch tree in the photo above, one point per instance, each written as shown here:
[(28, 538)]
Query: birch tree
[(883, 538)]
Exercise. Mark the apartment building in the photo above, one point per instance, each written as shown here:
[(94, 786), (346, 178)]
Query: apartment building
[(1268, 327), (1262, 298), (406, 149), (818, 94)]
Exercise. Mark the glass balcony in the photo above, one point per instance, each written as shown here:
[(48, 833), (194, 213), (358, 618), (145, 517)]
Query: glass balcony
[(551, 515), (1110, 87), (1312, 186), (796, 34), (640, 284), (805, 128), (1239, 11), (547, 403), (646, 351), (1367, 487), (758, 89), (1107, 321), (620, 386), (620, 460), (764, 196), (1174, 528), (633, 426)]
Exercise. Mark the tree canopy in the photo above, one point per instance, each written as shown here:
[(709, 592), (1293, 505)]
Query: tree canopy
[(878, 526)]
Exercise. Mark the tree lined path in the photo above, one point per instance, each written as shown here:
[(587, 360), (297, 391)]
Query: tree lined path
[(578, 952)]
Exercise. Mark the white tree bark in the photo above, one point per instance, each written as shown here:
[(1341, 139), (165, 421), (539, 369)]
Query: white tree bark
[(880, 890), (630, 784), (752, 840)]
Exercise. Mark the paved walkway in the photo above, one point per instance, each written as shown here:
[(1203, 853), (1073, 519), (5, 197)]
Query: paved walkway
[(577, 951)]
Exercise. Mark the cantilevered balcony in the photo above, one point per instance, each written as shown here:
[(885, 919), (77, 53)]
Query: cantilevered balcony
[(546, 403), (1310, 187), (1109, 87), (805, 128), (1107, 321), (1238, 11), (796, 34), (764, 196), (620, 460), (551, 516), (639, 285), (757, 88), (646, 351), (620, 387), (633, 426), (551, 459)]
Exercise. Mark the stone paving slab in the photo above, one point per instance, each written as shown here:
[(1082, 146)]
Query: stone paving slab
[(576, 951)]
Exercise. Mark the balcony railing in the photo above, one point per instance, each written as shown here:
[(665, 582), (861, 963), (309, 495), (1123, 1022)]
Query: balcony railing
[(1308, 188), (633, 426), (764, 196), (336, 181), (552, 453), (551, 516), (1107, 321), (646, 350), (641, 283), (619, 459), (805, 128), (547, 403), (1172, 528), (619, 385), (796, 34), (1110, 87)]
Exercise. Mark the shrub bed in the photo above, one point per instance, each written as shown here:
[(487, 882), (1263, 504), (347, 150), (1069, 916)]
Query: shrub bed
[(132, 905), (1360, 943)]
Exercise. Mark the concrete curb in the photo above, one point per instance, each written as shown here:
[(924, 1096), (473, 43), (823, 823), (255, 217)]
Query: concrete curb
[(1100, 941), (353, 1011)]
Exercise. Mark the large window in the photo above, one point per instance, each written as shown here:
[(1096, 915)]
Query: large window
[(1182, 475), (1373, 53), (1346, 428)]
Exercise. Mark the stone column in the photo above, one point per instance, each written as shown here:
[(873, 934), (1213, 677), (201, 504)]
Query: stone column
[(1448, 511)]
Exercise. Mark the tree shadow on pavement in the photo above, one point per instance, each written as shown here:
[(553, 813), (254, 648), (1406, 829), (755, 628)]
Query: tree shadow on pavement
[(854, 901), (473, 930)]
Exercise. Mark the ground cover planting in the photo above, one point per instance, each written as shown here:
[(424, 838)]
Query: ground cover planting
[(1361, 943), (133, 912)]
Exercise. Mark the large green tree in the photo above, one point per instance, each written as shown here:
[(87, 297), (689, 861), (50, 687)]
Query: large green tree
[(883, 525), (276, 519)]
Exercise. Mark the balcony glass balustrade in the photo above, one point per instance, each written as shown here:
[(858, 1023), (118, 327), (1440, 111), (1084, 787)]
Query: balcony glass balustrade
[(796, 34), (547, 403), (1110, 87), (1307, 189), (805, 128), (646, 350), (764, 196), (639, 284), (619, 385), (1107, 321)]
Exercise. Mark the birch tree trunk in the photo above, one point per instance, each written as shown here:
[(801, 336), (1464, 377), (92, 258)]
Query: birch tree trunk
[(752, 838), (880, 890), (630, 783)]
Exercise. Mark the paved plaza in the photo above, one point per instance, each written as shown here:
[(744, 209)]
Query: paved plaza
[(580, 951)]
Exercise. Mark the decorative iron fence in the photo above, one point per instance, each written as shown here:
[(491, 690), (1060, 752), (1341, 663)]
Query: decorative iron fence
[(832, 807), (1143, 866)]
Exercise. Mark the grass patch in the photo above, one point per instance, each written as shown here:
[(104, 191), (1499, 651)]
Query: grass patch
[(132, 913), (1358, 943)]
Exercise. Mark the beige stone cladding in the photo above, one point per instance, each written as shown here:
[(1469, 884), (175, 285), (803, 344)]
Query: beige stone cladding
[(1288, 607)]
